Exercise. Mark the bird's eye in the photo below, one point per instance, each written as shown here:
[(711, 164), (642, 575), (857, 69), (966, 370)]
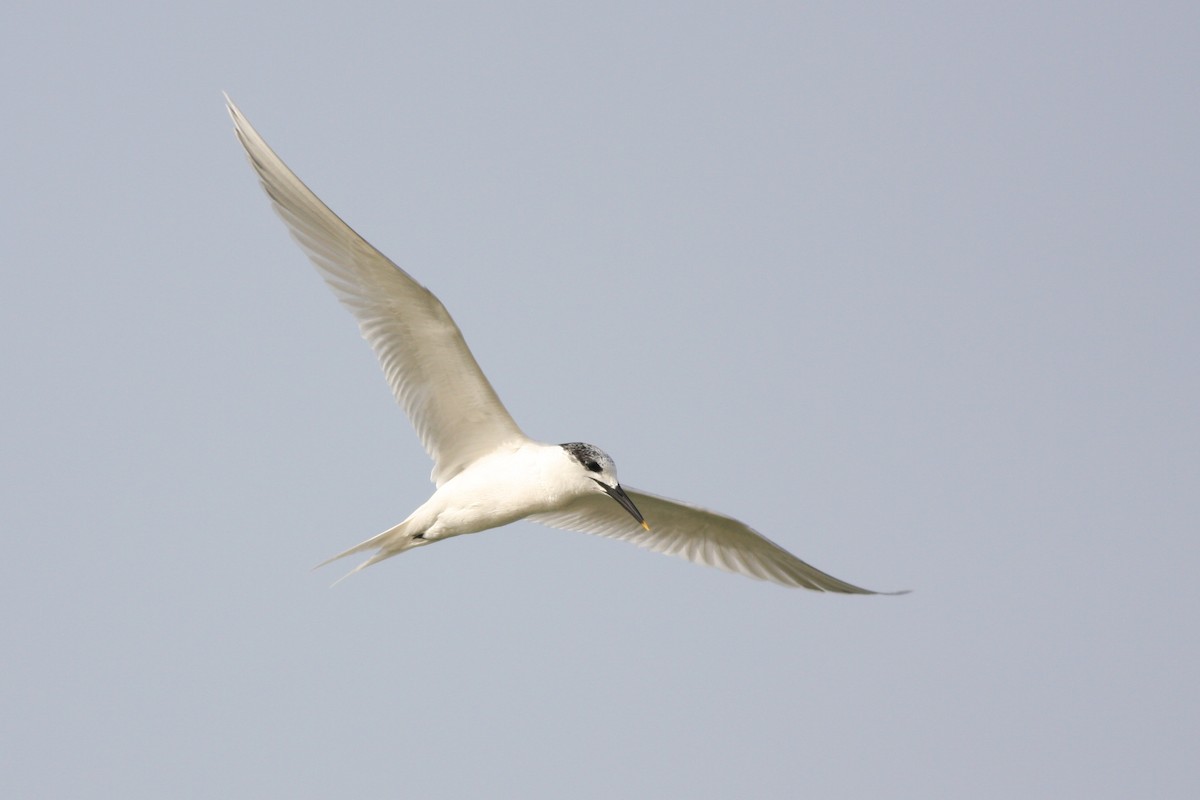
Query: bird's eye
[(592, 466)]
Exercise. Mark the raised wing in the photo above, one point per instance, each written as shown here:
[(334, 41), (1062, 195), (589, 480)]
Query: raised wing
[(700, 536), (427, 363)]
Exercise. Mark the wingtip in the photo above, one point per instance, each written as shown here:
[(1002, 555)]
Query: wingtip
[(234, 112)]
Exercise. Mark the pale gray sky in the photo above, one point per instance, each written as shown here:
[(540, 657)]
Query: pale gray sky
[(912, 289)]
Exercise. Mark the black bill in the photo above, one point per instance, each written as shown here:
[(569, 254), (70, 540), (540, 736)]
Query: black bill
[(618, 494)]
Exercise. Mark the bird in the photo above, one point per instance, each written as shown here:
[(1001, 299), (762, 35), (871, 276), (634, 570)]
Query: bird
[(487, 472)]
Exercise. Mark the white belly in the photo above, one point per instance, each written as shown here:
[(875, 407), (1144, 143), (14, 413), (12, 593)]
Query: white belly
[(494, 491)]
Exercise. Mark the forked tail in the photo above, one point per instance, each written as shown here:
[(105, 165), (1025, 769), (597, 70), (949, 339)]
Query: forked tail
[(392, 542)]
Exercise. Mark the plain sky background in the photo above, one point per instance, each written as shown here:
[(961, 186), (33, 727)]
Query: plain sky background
[(914, 289)]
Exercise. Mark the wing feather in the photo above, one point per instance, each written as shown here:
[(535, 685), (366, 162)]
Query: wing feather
[(698, 535), (425, 359)]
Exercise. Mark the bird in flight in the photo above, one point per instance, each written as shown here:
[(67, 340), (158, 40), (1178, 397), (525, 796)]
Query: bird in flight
[(486, 471)]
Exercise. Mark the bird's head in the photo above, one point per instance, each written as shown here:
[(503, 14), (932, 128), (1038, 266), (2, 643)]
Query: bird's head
[(598, 473)]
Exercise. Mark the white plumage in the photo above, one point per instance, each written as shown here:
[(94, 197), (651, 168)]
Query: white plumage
[(487, 472)]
